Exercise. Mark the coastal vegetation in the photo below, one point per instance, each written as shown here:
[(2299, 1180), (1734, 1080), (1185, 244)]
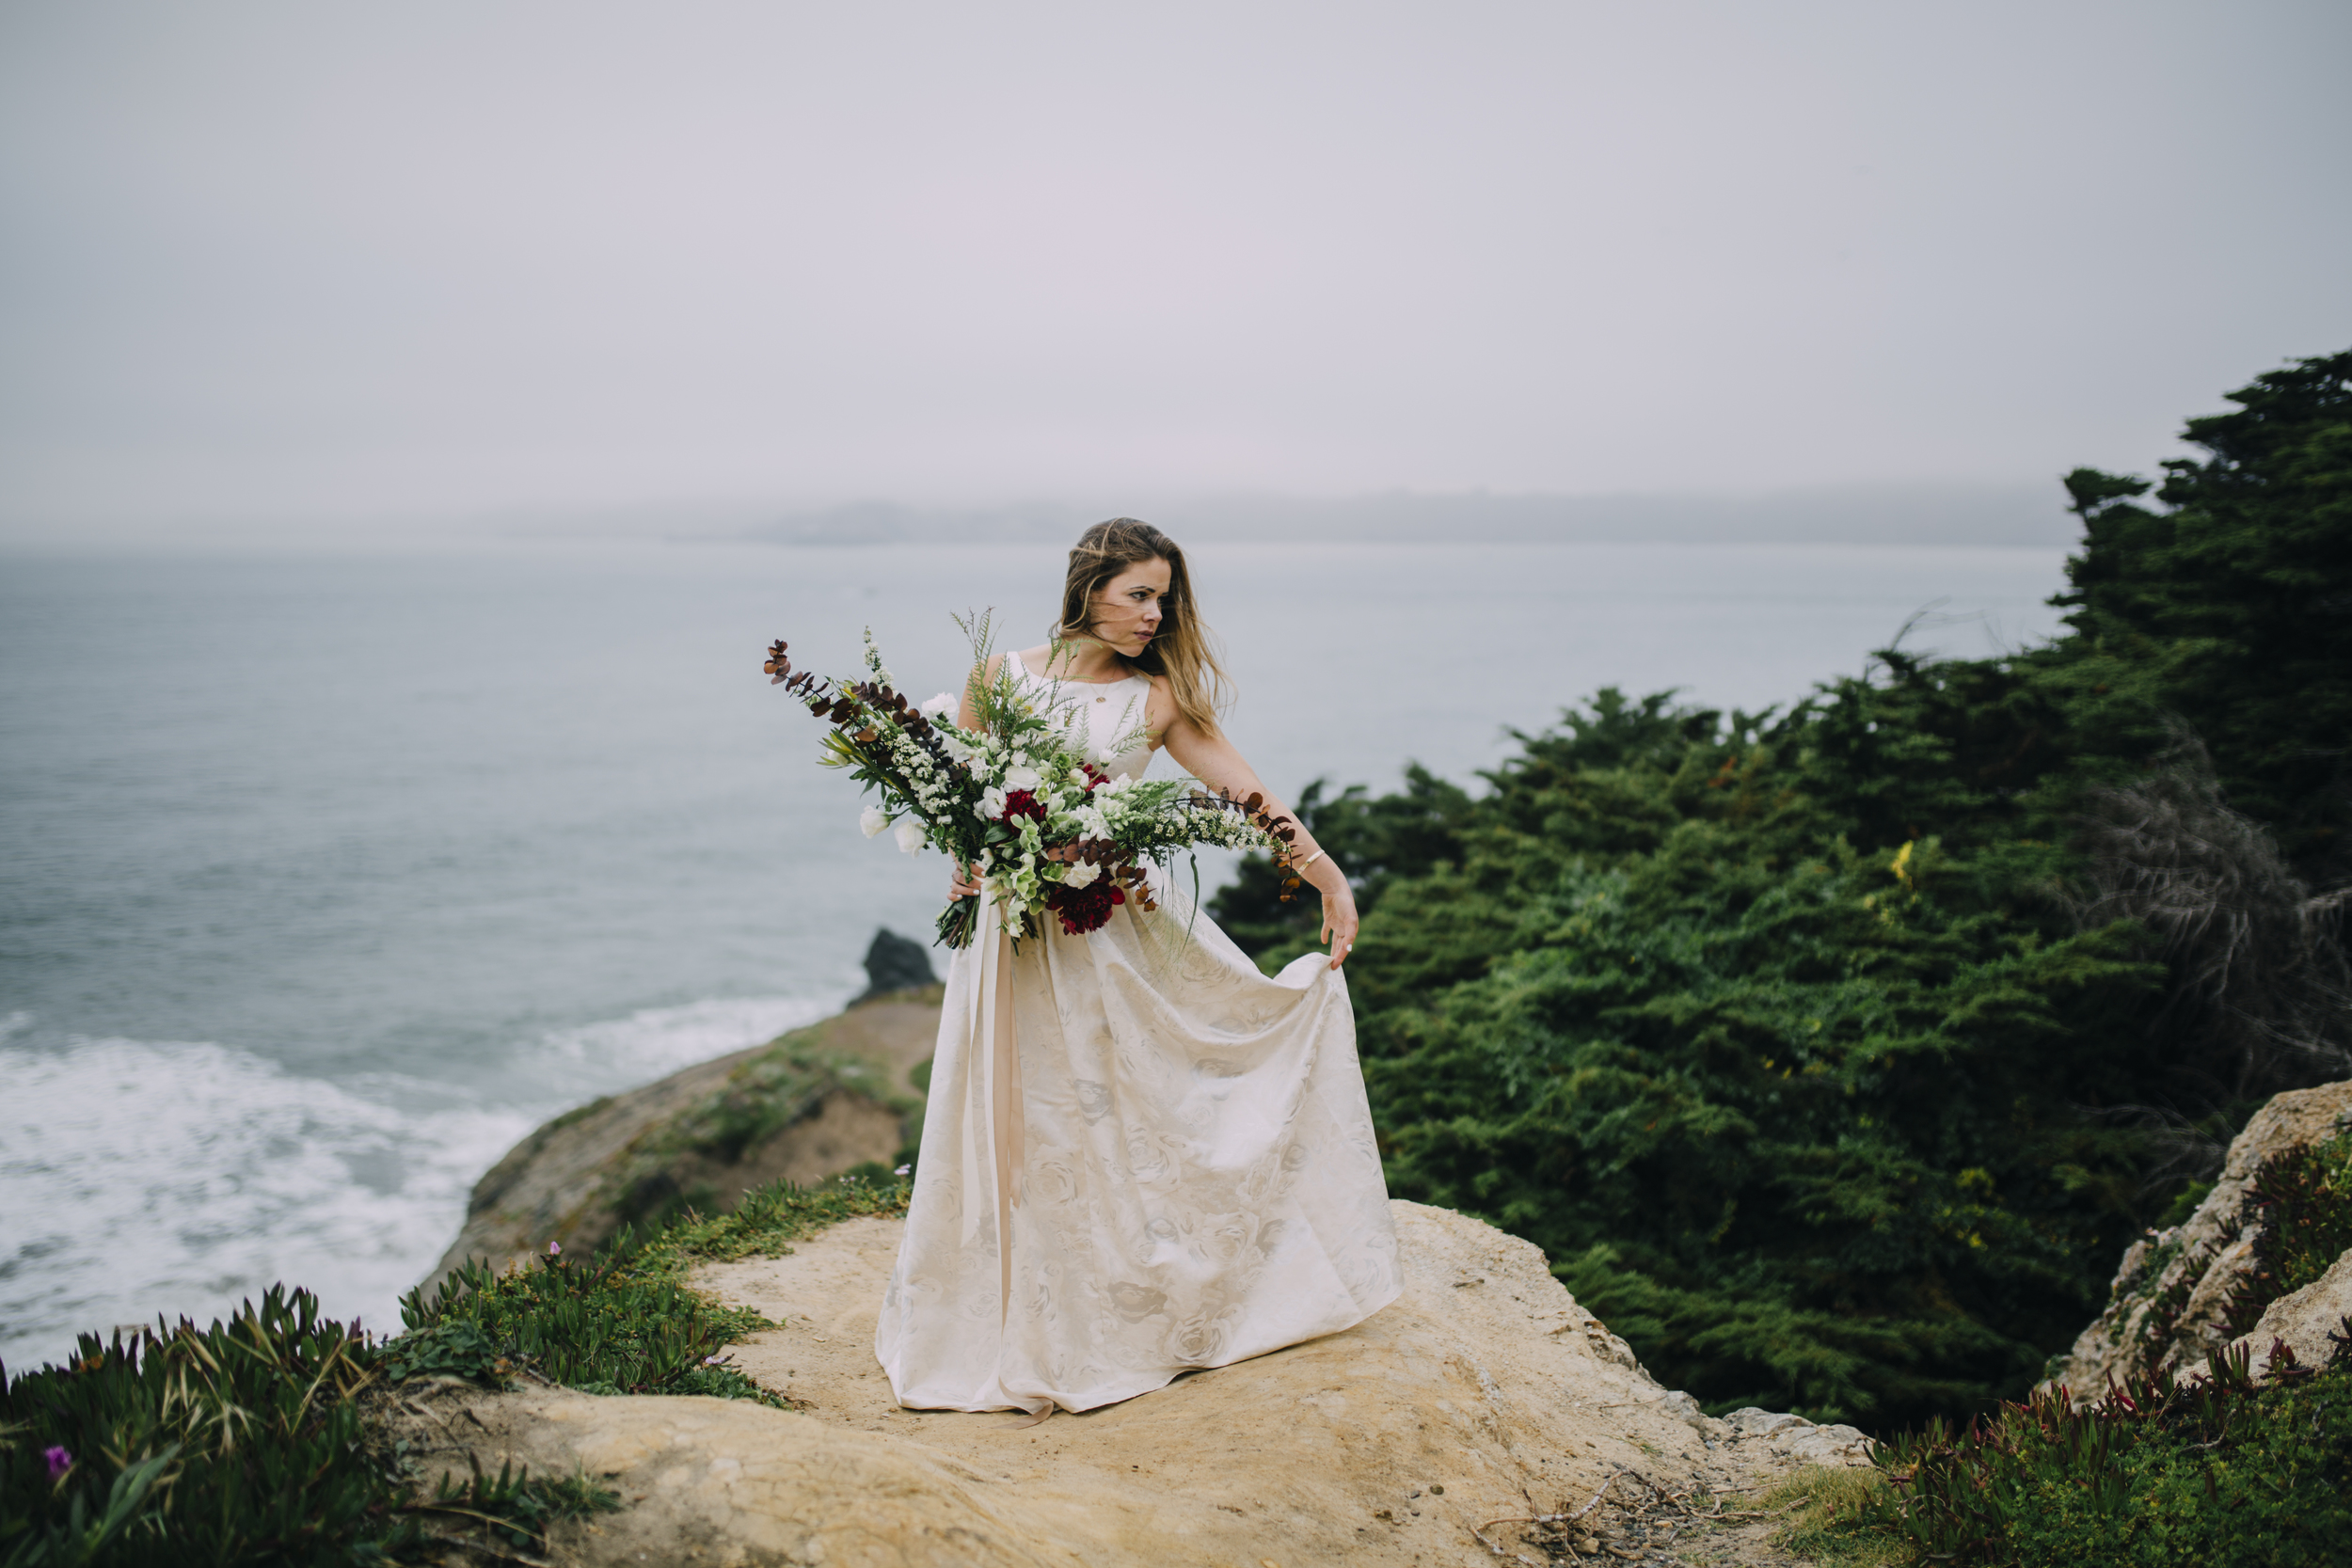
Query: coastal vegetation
[(2240, 1460), (260, 1438), (1834, 1054)]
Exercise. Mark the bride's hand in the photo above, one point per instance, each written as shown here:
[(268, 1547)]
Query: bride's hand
[(1339, 923), (962, 884)]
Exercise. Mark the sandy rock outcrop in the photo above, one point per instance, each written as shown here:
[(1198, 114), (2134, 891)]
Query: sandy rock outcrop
[(1484, 1394), (804, 1106), (2308, 1321), (2168, 1303)]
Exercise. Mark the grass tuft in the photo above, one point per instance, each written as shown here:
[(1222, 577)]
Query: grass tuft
[(1822, 1503)]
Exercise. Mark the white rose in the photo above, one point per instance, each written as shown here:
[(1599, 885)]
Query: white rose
[(873, 819), (993, 803), (910, 837), (1080, 874), (1022, 777), (941, 707)]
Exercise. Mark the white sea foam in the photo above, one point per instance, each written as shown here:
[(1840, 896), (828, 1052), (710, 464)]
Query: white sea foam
[(659, 1041), (139, 1177)]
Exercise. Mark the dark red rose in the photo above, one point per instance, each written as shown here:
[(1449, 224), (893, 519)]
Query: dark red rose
[(1020, 802), (1081, 909)]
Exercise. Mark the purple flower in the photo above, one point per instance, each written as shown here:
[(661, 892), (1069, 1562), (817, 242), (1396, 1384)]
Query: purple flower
[(555, 1249), (59, 1462)]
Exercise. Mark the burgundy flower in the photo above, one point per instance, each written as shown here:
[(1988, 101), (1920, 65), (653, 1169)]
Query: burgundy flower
[(1021, 803), (1081, 909)]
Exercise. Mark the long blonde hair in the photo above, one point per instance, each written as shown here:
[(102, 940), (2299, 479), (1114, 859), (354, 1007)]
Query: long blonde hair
[(1184, 651)]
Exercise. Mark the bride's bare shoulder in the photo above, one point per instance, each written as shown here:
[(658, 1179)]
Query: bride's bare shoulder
[(1032, 659)]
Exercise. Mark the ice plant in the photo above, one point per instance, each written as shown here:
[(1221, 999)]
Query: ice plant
[(59, 1459)]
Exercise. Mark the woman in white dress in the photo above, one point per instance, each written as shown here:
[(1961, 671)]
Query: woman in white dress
[(1140, 1155)]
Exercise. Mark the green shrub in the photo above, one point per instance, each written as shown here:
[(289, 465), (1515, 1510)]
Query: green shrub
[(2303, 1198), (250, 1442), (623, 1322), (1834, 1055), (243, 1443), (602, 1322), (2206, 1472)]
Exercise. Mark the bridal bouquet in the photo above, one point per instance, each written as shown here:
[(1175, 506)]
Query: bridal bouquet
[(1019, 801)]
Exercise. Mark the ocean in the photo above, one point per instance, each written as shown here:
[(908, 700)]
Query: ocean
[(325, 878)]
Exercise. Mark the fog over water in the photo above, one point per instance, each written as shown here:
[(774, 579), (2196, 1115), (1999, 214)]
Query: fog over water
[(302, 269)]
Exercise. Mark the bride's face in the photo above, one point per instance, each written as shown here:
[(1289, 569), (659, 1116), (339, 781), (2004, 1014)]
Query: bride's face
[(1127, 608)]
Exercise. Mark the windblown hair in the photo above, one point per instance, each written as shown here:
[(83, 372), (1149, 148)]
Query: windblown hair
[(1184, 650)]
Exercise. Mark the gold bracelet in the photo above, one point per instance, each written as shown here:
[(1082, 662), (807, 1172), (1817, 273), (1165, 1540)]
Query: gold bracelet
[(1309, 861)]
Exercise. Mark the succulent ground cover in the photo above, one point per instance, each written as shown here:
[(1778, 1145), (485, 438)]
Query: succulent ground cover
[(2213, 1470), (259, 1439)]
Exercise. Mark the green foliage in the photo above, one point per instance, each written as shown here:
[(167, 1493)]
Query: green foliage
[(2304, 1200), (2207, 1472), (249, 1442), (1792, 1038), (242, 1443), (624, 1321), (2234, 607), (236, 1443), (1819, 1506), (771, 1217), (613, 1323)]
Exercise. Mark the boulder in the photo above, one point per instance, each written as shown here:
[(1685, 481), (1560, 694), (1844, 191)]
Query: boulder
[(1798, 1440), (2168, 1303), (1483, 1396), (2309, 1321), (895, 965)]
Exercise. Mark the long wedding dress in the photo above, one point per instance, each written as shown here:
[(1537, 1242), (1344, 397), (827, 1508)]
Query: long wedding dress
[(1140, 1155)]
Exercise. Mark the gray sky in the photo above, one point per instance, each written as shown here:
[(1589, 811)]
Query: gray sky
[(334, 263)]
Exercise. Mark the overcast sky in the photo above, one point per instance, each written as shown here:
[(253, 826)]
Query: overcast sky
[(318, 261)]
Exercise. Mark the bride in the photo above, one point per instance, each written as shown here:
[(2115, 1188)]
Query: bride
[(1140, 1155)]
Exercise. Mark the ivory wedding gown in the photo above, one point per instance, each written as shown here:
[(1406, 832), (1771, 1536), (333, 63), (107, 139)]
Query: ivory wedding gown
[(1140, 1156)]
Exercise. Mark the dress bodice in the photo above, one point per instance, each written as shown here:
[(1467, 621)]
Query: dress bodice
[(1109, 711)]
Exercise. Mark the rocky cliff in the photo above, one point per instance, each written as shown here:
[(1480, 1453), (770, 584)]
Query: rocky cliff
[(804, 1106), (2213, 1280)]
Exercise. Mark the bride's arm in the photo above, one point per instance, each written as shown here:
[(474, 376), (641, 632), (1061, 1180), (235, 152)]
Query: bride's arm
[(1213, 761)]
